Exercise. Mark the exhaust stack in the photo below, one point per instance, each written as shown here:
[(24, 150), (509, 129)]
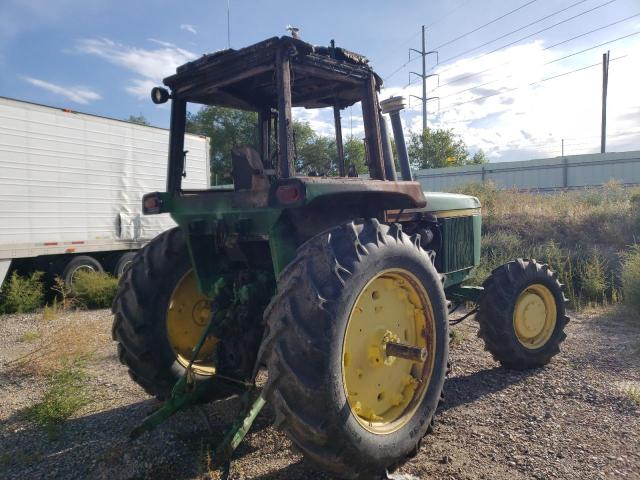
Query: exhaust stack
[(393, 106)]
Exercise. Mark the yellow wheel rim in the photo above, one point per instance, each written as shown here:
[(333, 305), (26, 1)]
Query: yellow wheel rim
[(534, 316), (383, 391), (187, 317)]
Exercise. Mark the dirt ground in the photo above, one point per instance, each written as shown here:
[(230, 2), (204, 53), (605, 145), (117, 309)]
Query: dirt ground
[(574, 419)]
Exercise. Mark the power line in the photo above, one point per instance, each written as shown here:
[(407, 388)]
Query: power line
[(529, 84), (485, 25), (399, 68), (528, 25), (543, 64), (435, 22), (448, 60), (459, 79), (387, 77)]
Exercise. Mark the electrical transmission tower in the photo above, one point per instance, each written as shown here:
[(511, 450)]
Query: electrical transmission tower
[(424, 99)]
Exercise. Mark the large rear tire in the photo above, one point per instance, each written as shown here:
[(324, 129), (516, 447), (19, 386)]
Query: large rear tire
[(159, 316), (522, 314), (352, 409)]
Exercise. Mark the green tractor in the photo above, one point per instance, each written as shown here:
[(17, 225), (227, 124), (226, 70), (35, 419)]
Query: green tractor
[(339, 286)]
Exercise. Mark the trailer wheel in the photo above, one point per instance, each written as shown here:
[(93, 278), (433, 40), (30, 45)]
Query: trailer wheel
[(123, 263), (349, 405), (77, 264), (522, 314)]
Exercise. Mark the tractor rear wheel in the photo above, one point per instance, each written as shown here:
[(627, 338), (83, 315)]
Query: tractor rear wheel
[(160, 315), (351, 407), (522, 314)]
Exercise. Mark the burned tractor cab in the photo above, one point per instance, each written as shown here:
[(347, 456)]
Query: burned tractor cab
[(269, 198)]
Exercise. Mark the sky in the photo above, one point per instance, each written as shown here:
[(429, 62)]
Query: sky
[(500, 74)]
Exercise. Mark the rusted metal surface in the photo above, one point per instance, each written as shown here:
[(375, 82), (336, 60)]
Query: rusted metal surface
[(408, 352), (264, 129), (370, 117), (318, 186), (314, 188), (244, 78), (339, 147), (285, 121)]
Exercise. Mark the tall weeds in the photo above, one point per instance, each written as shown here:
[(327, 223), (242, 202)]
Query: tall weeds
[(580, 234)]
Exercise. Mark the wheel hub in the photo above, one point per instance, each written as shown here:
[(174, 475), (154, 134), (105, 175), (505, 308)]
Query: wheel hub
[(187, 317), (534, 316), (384, 390)]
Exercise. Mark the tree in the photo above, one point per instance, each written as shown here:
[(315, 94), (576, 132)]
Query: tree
[(440, 148), (315, 154), (139, 119), (354, 154), (226, 128)]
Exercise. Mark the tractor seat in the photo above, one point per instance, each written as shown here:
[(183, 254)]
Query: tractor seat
[(247, 169)]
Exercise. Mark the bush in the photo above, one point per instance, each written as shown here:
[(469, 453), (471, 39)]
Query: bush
[(94, 289), (592, 275), (631, 277), (66, 394), (22, 294)]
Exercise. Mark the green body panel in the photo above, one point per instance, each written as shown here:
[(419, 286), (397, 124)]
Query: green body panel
[(477, 241), (204, 215), (443, 205), (441, 201)]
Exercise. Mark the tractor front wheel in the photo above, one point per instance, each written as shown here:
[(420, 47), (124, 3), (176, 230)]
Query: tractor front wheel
[(339, 392), (522, 314)]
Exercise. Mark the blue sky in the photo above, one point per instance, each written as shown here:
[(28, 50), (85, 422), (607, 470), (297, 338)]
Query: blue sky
[(103, 56)]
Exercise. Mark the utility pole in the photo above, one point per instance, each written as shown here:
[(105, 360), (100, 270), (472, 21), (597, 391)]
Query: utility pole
[(228, 25), (423, 53), (605, 84)]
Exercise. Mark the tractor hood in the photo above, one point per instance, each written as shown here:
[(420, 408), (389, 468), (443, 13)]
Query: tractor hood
[(439, 201)]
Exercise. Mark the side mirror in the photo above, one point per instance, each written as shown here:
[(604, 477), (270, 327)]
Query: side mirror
[(159, 95)]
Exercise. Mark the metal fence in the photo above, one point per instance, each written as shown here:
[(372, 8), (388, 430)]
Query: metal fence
[(569, 172)]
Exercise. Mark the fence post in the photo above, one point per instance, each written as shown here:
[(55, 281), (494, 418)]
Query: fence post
[(565, 172), (483, 174)]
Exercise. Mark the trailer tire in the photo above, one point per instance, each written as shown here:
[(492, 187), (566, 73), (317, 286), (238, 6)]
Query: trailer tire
[(81, 262), (314, 352), (124, 261)]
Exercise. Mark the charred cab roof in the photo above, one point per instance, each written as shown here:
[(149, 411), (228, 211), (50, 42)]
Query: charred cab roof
[(245, 78)]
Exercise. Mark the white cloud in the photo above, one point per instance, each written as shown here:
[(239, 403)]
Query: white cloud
[(517, 120), (141, 87), (76, 94), (151, 65), (317, 118), (188, 28)]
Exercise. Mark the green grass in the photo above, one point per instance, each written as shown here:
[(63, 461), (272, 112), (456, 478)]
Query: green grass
[(631, 277), (66, 394), (19, 458), (94, 289), (22, 294), (633, 393), (30, 336), (457, 337)]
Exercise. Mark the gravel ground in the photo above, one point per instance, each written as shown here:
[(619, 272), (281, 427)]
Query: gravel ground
[(572, 419)]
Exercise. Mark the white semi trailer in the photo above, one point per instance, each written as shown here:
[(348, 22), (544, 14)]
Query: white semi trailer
[(71, 187)]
